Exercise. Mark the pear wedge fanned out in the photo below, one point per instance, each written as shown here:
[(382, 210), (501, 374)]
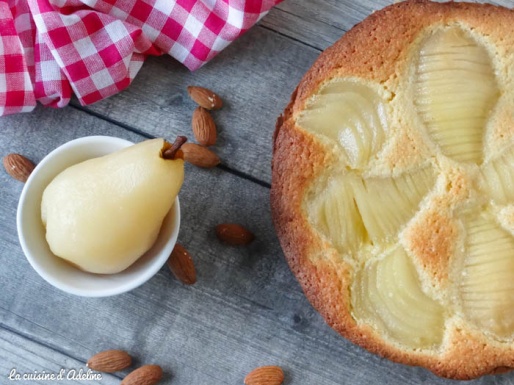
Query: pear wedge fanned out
[(487, 280), (387, 293), (105, 213), (350, 114), (347, 214), (499, 177), (399, 201), (334, 213), (455, 91)]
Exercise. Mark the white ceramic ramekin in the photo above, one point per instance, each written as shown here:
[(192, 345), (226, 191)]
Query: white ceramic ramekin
[(55, 270)]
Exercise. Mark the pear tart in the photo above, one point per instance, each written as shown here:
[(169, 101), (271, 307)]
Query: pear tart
[(393, 186)]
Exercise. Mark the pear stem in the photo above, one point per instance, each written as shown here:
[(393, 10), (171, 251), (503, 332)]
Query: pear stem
[(173, 151)]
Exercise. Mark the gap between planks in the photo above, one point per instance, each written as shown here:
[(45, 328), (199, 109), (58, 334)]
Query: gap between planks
[(284, 35), (237, 173)]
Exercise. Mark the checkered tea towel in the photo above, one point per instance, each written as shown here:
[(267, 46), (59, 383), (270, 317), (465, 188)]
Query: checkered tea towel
[(94, 48)]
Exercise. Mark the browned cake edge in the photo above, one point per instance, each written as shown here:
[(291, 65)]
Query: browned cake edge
[(298, 158)]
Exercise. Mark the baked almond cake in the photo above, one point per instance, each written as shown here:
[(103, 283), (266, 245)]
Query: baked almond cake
[(393, 186)]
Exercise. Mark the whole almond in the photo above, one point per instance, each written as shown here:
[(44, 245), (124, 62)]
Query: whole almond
[(205, 98), (204, 128), (181, 265), (18, 166), (265, 375), (145, 375), (110, 361), (199, 156), (234, 234)]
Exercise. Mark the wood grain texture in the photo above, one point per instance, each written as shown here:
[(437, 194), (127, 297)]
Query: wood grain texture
[(246, 309), (22, 356), (319, 23)]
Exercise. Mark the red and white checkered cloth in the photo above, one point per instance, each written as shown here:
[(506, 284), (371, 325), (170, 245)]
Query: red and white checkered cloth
[(50, 49)]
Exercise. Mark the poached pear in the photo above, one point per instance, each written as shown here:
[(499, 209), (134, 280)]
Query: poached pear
[(104, 213)]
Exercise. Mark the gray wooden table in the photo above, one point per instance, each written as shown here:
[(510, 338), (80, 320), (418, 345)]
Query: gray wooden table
[(246, 309)]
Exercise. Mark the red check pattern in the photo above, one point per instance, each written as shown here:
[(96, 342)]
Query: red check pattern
[(50, 49)]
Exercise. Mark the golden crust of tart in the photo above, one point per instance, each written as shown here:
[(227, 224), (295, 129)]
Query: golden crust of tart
[(380, 51)]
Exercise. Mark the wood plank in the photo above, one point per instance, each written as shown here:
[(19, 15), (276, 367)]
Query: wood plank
[(20, 356), (319, 23), (246, 309), (255, 76)]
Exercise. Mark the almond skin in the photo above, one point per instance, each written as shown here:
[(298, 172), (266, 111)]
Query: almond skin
[(145, 375), (234, 234), (205, 98), (265, 375), (181, 265), (204, 128), (110, 361), (199, 156), (18, 166)]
